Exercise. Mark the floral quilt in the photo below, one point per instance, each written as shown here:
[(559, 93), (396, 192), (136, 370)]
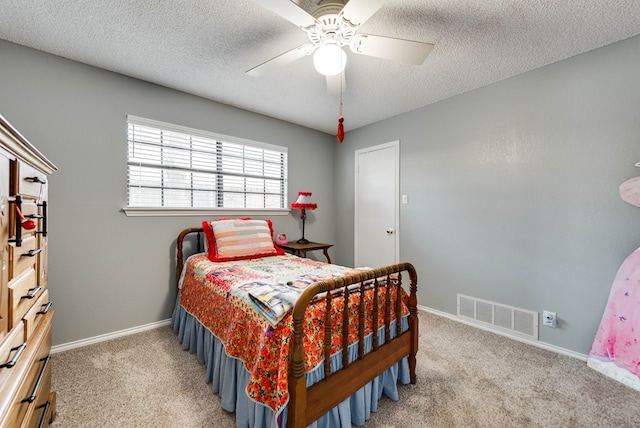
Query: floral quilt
[(216, 294)]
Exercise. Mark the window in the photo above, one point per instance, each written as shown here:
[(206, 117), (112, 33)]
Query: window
[(170, 166)]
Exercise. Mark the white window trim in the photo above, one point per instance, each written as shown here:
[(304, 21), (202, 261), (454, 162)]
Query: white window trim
[(206, 212), (184, 211)]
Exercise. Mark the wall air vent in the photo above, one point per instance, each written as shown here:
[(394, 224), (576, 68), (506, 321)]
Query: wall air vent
[(499, 317)]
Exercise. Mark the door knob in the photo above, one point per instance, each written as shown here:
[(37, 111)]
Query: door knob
[(390, 231)]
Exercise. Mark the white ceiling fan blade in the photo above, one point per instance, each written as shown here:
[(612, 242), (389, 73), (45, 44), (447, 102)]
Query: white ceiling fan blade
[(358, 11), (289, 11), (408, 51), (281, 60), (336, 84)]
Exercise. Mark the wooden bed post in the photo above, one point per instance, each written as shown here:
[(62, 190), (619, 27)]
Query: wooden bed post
[(297, 381), (180, 253), (413, 321)]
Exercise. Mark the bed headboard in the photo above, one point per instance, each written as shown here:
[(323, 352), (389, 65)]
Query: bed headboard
[(180, 251)]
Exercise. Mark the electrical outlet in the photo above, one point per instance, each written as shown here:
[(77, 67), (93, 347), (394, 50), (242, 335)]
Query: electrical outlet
[(549, 319)]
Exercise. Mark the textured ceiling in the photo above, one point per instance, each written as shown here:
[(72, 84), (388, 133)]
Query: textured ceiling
[(204, 47)]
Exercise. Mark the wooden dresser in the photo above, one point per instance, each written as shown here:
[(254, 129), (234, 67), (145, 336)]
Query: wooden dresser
[(26, 399)]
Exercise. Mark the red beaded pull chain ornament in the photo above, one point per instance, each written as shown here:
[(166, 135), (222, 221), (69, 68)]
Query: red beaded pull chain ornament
[(340, 134)]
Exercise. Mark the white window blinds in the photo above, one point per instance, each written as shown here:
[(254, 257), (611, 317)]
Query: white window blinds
[(170, 166)]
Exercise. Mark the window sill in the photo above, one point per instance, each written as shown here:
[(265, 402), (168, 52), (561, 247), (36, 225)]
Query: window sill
[(201, 212)]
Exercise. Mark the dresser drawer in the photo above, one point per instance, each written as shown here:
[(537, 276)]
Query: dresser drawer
[(37, 312), (24, 257), (33, 394), (30, 181), (42, 414), (11, 355), (23, 293), (13, 366), (34, 380)]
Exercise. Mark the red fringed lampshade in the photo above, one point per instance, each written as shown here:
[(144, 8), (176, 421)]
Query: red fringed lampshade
[(304, 202)]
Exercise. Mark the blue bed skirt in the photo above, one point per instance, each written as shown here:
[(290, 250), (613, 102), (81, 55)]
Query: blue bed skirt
[(229, 377)]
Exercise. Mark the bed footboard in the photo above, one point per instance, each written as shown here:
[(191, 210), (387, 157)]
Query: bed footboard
[(307, 404)]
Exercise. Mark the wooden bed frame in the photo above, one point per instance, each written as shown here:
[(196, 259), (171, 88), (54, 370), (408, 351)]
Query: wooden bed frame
[(308, 404)]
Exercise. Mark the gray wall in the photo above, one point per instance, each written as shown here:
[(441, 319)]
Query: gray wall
[(513, 190), (109, 272)]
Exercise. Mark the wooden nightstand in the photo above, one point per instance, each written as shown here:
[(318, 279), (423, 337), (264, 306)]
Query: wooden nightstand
[(301, 249)]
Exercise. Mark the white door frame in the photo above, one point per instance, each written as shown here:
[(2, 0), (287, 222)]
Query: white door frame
[(396, 165)]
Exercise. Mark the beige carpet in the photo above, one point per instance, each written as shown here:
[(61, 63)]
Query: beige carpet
[(466, 378)]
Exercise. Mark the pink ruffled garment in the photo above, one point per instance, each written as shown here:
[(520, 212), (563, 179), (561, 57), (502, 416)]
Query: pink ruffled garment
[(618, 338), (630, 191)]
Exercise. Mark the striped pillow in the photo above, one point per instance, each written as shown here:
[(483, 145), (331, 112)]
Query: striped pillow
[(239, 239)]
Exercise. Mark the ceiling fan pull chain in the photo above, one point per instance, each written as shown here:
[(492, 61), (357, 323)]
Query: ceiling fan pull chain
[(340, 134)]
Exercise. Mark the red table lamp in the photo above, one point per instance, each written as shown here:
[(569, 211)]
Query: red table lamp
[(303, 203)]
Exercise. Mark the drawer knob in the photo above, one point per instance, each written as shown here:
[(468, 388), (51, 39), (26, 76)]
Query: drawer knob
[(45, 413), (33, 292), (36, 180), (36, 388), (32, 253), (46, 308), (12, 362)]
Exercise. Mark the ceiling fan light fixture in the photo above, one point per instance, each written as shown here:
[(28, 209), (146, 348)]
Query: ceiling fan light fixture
[(329, 59)]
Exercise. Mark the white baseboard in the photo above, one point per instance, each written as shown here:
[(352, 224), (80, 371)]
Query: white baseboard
[(158, 324), (108, 336), (547, 346)]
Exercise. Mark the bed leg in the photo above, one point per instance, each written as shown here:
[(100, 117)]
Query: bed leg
[(413, 326), (297, 403), (413, 319)]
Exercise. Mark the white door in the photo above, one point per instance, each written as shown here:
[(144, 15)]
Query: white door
[(376, 208)]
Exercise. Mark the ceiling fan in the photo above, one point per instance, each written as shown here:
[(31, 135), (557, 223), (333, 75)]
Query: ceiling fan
[(332, 25)]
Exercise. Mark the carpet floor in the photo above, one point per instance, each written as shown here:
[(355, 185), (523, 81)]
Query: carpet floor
[(467, 377)]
